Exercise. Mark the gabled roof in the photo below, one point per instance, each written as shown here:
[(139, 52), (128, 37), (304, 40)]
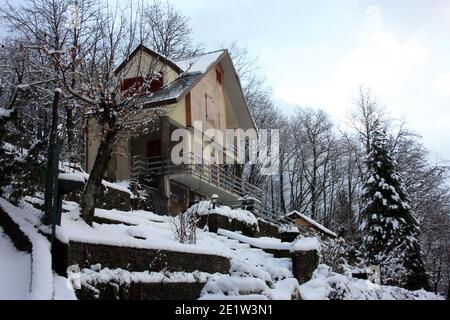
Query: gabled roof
[(311, 221), (191, 71), (154, 54)]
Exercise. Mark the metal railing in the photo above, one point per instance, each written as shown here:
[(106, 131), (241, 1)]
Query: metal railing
[(208, 172)]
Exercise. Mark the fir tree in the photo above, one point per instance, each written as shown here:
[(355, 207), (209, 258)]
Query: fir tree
[(390, 231)]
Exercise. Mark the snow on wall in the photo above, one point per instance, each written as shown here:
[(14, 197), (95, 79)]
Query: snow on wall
[(300, 244), (203, 208), (147, 234), (41, 266)]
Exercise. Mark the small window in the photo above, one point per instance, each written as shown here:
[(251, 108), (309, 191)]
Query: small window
[(131, 85), (219, 75), (156, 83)]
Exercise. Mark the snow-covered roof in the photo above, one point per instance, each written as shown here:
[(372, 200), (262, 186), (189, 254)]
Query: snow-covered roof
[(173, 92), (199, 63), (311, 221)]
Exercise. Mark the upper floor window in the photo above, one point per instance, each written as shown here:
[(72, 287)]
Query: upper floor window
[(219, 74), (133, 85)]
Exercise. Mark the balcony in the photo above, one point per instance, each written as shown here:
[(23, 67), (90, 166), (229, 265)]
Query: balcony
[(207, 177)]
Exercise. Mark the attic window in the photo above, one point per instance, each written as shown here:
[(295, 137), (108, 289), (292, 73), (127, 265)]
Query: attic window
[(132, 85), (219, 74)]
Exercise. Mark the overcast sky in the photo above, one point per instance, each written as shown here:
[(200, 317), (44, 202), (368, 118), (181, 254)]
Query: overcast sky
[(317, 53)]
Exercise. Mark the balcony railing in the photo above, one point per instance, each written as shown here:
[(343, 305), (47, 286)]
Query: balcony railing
[(209, 172)]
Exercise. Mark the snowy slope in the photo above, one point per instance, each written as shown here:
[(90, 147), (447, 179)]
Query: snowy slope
[(42, 282), (15, 271)]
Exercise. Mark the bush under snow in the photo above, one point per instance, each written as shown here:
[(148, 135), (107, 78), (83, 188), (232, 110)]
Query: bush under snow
[(328, 285)]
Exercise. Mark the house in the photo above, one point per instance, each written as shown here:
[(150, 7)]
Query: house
[(306, 223), (203, 89)]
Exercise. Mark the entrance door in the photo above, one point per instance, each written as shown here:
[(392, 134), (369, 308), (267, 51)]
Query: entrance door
[(153, 149)]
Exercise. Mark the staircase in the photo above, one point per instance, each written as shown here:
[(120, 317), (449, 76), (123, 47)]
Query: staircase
[(254, 274)]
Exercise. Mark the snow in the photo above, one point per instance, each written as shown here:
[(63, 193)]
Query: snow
[(41, 271), (42, 277), (199, 64), (156, 235), (313, 222), (203, 208), (262, 243), (328, 285), (288, 228), (15, 271), (97, 274), (62, 290), (301, 244), (306, 244), (76, 175), (5, 113), (130, 217), (72, 177)]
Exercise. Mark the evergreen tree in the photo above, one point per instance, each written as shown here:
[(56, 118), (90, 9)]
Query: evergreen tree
[(390, 231)]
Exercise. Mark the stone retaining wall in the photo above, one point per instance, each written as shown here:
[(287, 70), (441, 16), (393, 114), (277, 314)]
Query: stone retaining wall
[(267, 229), (303, 265), (135, 259), (216, 222), (109, 199), (144, 291)]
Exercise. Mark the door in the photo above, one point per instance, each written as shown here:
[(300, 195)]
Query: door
[(153, 149)]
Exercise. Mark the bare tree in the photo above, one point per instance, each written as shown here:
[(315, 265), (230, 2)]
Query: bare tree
[(167, 31), (367, 112)]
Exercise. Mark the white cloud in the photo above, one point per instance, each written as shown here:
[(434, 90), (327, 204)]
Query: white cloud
[(378, 59), (443, 84)]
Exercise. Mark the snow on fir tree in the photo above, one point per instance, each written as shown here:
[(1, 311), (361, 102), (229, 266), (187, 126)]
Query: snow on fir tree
[(390, 231)]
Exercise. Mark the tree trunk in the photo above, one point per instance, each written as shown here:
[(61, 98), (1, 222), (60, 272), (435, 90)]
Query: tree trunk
[(93, 186), (282, 201)]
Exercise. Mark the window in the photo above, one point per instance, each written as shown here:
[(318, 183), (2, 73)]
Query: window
[(219, 74), (133, 85), (210, 109), (157, 82)]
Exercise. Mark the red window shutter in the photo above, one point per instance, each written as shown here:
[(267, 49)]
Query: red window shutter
[(131, 84), (156, 83), (219, 76)]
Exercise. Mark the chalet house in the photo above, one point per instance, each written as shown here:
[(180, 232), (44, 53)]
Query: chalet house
[(203, 88), (305, 223)]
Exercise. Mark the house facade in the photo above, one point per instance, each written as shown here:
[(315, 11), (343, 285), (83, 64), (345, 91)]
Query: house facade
[(201, 95)]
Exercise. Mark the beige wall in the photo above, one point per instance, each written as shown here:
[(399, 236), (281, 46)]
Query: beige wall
[(144, 63), (209, 85)]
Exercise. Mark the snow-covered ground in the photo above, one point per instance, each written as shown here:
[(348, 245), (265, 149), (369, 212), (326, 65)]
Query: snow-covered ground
[(15, 271), (328, 285), (41, 282), (254, 273)]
